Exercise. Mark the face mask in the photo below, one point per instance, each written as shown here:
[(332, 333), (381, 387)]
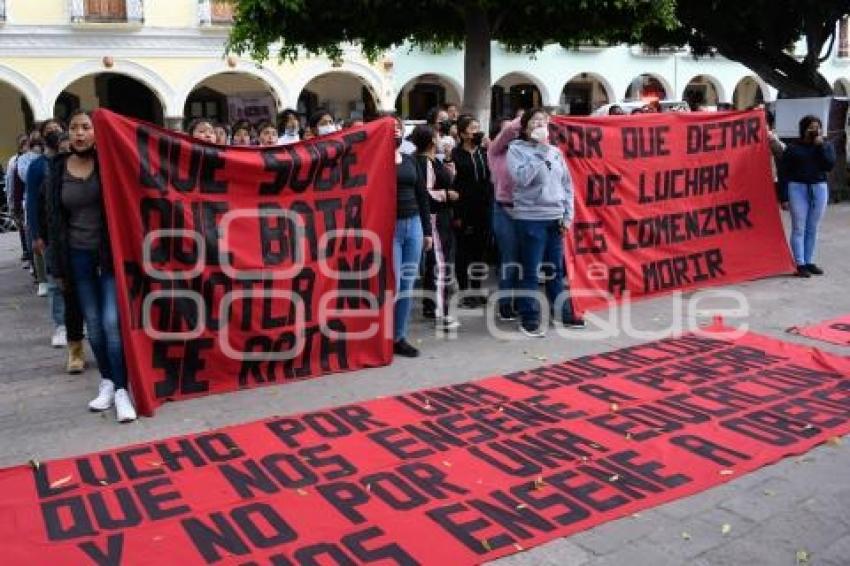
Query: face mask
[(540, 134), (477, 138), (52, 140), (325, 130), (291, 132), (84, 153)]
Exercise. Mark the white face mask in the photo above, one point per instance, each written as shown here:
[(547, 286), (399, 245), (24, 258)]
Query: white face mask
[(540, 134), (326, 129)]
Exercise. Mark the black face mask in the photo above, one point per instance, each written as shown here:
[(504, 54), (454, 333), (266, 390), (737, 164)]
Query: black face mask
[(84, 153), (478, 138), (52, 140)]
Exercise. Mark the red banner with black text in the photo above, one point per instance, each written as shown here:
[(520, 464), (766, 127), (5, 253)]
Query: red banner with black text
[(239, 266), (459, 474), (669, 202)]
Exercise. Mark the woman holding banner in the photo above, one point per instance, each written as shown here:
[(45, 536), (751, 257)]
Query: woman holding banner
[(81, 259), (412, 234), (805, 165), (542, 212)]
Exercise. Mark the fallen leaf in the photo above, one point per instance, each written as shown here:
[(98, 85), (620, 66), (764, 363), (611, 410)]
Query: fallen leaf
[(802, 557), (60, 482), (518, 546), (769, 492), (686, 536), (614, 478), (834, 441), (726, 529), (485, 544), (726, 472), (636, 515), (447, 464), (301, 491)]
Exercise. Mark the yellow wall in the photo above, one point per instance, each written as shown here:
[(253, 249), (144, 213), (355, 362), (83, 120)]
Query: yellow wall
[(12, 120), (34, 12), (171, 13)]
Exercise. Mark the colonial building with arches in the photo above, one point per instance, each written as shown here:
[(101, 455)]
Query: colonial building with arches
[(164, 61)]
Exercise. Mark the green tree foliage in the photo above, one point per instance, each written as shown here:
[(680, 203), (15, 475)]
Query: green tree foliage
[(289, 28)]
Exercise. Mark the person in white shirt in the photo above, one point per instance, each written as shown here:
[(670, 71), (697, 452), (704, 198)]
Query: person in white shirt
[(290, 126)]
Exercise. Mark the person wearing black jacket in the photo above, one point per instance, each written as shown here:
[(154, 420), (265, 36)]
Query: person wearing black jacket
[(412, 234), (804, 167), (472, 221), (81, 258), (438, 182)]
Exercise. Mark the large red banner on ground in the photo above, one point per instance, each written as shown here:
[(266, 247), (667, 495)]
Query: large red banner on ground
[(834, 331), (668, 202), (455, 475), (241, 266)]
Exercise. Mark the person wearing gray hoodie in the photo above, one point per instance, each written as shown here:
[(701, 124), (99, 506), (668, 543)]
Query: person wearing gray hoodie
[(542, 211)]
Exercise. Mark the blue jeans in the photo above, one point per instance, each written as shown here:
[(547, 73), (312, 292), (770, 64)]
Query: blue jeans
[(407, 253), (98, 301), (808, 204), (57, 301), (540, 242), (506, 242)]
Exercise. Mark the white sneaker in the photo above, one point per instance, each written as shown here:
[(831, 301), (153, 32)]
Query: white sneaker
[(42, 290), (105, 396), (60, 337), (124, 410), (447, 323)]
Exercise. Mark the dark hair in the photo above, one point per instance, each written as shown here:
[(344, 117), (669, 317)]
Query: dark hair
[(463, 122), (43, 128), (422, 137), (194, 123), (806, 121), (431, 116), (78, 112), (284, 116), (448, 105), (613, 107), (318, 115), (263, 125), (241, 125), (526, 118), (771, 119)]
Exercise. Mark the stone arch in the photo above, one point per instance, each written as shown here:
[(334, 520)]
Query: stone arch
[(607, 89), (160, 88), (279, 90), (665, 84)]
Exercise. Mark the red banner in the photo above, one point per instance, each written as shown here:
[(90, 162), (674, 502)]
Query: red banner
[(669, 202), (835, 331), (455, 475), (245, 266)]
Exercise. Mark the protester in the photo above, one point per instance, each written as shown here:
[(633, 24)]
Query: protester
[(503, 222), (452, 112), (440, 258), (241, 134), (472, 223), (322, 123), (222, 134), (543, 211), (22, 165), (439, 119), (777, 148), (412, 234), (616, 110), (289, 125), (267, 134), (199, 128), (805, 165), (50, 131), (81, 258), (15, 205)]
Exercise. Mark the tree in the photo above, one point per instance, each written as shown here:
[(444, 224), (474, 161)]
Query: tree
[(761, 35), (293, 27)]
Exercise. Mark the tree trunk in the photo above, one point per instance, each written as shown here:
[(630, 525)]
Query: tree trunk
[(477, 86)]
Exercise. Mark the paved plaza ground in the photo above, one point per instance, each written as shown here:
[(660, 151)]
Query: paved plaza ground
[(794, 512)]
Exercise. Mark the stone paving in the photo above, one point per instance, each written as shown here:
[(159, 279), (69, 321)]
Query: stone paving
[(792, 513)]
